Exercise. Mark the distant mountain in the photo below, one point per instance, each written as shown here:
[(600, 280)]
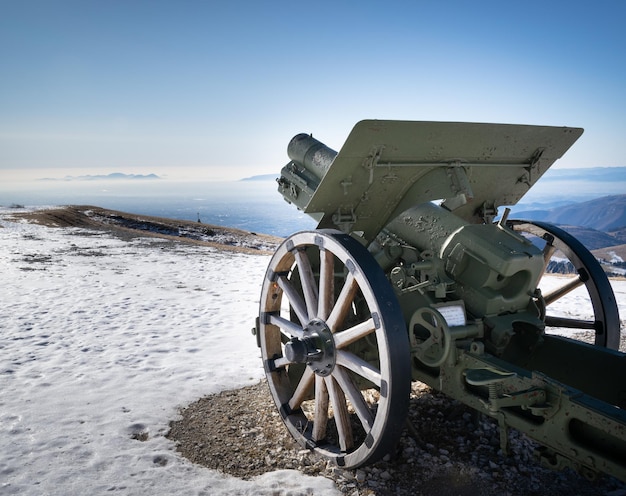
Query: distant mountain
[(598, 224), (602, 214), (116, 176), (592, 239), (594, 174), (261, 177)]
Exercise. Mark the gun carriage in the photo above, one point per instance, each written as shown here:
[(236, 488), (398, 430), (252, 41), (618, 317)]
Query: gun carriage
[(410, 277)]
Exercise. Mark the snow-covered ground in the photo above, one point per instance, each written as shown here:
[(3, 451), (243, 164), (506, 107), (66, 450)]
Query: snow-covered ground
[(577, 305), (103, 340)]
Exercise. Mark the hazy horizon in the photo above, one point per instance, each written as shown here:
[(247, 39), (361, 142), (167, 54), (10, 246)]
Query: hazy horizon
[(257, 205)]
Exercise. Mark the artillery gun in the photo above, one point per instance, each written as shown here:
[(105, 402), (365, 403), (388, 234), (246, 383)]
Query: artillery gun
[(409, 277)]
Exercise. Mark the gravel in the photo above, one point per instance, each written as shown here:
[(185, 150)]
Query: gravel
[(446, 449)]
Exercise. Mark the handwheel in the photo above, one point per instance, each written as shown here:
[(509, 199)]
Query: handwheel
[(430, 336), (335, 347), (588, 272)]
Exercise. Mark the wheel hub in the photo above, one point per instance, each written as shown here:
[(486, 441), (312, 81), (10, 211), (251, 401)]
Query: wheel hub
[(316, 348)]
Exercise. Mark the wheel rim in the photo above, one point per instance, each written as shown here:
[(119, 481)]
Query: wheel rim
[(588, 272), (335, 347)]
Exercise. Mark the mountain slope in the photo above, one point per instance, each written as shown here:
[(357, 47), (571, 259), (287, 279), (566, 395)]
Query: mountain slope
[(602, 214)]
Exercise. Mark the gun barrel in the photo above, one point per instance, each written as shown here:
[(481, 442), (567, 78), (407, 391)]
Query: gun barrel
[(312, 154)]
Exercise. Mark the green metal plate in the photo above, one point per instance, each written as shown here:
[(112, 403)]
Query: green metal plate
[(386, 167)]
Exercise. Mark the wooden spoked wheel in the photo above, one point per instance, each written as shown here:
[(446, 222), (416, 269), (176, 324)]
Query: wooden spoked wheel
[(598, 295), (335, 347)]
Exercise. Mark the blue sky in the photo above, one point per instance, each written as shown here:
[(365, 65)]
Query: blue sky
[(219, 88)]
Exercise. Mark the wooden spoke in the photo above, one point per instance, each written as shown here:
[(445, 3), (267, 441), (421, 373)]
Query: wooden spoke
[(548, 251), (287, 327), (307, 280), (356, 398), (281, 362), (327, 284), (344, 302), (568, 287), (359, 367), (295, 300), (570, 323), (299, 395), (320, 421), (342, 419), (349, 336)]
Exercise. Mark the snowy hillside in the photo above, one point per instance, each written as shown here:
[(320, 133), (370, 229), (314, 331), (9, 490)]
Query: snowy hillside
[(103, 340)]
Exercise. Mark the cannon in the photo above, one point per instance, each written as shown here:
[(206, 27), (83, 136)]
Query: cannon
[(416, 273)]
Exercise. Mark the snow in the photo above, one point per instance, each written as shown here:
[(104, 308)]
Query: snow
[(577, 305), (104, 340)]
